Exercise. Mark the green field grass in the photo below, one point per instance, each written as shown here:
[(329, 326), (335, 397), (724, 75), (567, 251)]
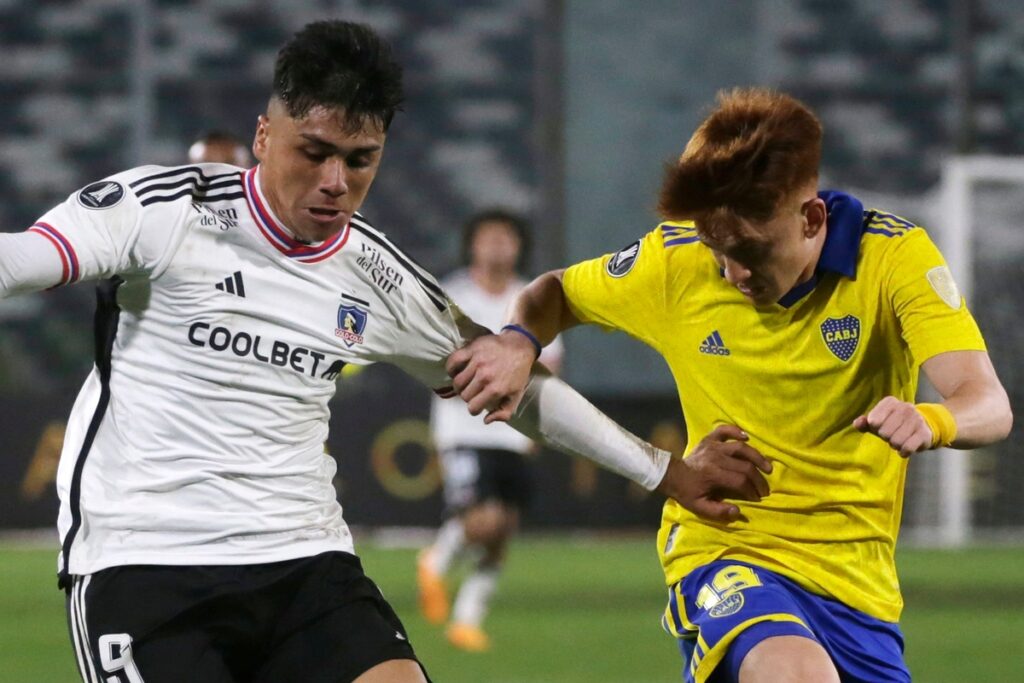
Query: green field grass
[(572, 610)]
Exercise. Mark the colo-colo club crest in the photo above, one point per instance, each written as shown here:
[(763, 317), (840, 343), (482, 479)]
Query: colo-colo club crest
[(841, 336), (351, 323)]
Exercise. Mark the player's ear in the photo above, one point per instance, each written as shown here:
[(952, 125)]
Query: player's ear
[(816, 215), (259, 142)]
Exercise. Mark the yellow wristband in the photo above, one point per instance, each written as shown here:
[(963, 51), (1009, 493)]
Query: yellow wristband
[(940, 421)]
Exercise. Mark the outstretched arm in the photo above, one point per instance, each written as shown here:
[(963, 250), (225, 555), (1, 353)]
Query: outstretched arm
[(491, 372), (975, 410), (721, 466), (33, 260)]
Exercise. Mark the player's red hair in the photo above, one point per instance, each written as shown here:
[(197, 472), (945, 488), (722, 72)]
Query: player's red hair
[(748, 156)]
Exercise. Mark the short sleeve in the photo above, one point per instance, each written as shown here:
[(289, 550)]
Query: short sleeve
[(429, 329), (103, 230), (932, 313), (621, 291)]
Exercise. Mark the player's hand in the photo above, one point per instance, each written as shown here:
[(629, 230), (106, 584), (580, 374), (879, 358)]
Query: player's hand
[(491, 373), (721, 466), (899, 424)]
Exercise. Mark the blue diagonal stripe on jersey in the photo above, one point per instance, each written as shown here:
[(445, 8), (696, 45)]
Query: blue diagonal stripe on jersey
[(718, 338), (887, 233), (894, 220), (885, 223), (682, 240)]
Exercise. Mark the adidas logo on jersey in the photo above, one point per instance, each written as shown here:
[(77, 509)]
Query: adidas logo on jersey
[(714, 345), (232, 284)]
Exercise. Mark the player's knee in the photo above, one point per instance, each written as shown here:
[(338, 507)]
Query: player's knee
[(487, 525), (788, 659)]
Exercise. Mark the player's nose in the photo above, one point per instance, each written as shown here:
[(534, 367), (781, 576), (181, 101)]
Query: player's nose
[(735, 273), (333, 179)]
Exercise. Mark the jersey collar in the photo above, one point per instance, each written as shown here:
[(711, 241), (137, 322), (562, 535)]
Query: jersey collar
[(842, 243), (279, 236)]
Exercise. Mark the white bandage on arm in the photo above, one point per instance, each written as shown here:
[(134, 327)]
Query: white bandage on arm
[(553, 413), (28, 263)]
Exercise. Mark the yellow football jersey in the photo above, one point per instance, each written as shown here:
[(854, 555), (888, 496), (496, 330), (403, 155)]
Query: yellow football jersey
[(794, 376)]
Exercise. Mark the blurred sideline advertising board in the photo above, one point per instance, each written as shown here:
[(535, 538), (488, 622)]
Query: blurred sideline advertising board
[(387, 469)]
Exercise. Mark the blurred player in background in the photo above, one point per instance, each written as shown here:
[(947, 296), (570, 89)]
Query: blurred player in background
[(485, 469), (201, 537), (796, 321), (219, 147)]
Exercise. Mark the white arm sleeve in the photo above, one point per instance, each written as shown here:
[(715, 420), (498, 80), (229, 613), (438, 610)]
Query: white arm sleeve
[(551, 412), (554, 413), (28, 263), (99, 231)]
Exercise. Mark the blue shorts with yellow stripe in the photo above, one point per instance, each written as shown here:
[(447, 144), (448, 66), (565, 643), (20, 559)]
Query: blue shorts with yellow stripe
[(720, 611)]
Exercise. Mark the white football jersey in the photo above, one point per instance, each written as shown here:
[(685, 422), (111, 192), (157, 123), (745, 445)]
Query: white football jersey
[(451, 424), (199, 436)]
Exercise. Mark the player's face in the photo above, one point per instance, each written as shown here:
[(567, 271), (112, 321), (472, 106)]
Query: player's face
[(766, 260), (314, 173), (495, 246)]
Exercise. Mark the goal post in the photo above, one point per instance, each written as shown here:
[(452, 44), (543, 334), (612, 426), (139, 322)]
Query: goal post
[(963, 177)]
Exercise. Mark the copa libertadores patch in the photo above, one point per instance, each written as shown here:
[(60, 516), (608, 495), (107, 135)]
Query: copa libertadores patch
[(622, 261), (102, 195)]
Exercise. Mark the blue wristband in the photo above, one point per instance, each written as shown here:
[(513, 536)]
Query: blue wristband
[(526, 333)]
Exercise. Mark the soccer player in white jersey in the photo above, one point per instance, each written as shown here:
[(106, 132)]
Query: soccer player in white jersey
[(219, 147), (486, 474), (201, 537)]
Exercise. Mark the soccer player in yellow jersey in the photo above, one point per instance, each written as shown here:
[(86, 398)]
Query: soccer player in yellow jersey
[(796, 321)]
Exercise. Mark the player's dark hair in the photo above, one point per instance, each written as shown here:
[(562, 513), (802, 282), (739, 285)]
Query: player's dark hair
[(514, 221), (342, 66), (748, 156)]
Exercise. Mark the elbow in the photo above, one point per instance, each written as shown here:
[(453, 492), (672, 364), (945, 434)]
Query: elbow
[(1005, 422), (1000, 417)]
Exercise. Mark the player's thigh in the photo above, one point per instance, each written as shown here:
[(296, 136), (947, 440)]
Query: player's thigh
[(357, 633), (788, 659), (122, 633), (723, 610), (734, 607), (394, 671), (513, 477)]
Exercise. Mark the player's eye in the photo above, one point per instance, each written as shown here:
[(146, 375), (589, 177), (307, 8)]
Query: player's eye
[(750, 254), (359, 161), (314, 155)]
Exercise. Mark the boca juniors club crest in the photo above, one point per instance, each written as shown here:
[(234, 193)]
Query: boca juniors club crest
[(841, 336), (351, 323)]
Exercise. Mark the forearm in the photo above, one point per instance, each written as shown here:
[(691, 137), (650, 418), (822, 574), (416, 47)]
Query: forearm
[(28, 262), (553, 413), (542, 309), (973, 395), (982, 414)]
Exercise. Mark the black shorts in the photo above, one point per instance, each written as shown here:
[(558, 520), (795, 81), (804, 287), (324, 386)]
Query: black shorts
[(474, 475), (316, 619)]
